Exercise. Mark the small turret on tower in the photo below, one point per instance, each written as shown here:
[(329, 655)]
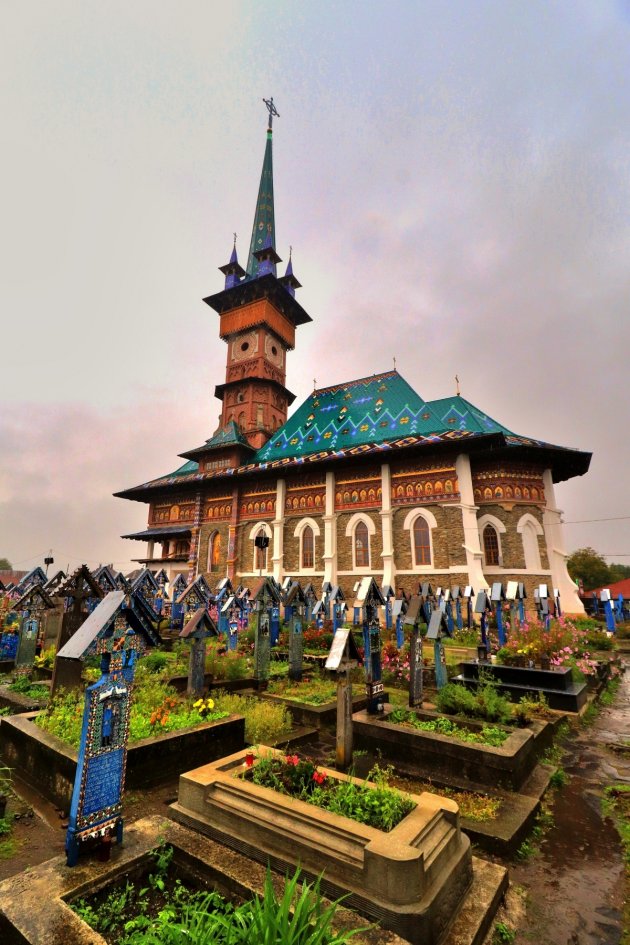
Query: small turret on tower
[(233, 271), (288, 280)]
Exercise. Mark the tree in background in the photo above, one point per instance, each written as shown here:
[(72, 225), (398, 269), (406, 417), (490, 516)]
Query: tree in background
[(618, 572), (5, 565), (590, 567)]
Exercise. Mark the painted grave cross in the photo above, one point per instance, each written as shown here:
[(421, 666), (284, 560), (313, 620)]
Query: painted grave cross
[(115, 633), (413, 616), (399, 608), (80, 591), (370, 599), (295, 602), (469, 596), (483, 607), (497, 596), (177, 588), (339, 607), (265, 597), (438, 629), (228, 620), (197, 629), (342, 659), (456, 595), (31, 607)]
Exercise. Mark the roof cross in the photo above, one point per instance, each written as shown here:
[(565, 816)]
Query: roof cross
[(273, 111)]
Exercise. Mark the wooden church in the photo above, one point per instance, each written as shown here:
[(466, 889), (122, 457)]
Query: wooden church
[(364, 478)]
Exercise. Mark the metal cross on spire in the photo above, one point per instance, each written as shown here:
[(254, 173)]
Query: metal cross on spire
[(273, 111)]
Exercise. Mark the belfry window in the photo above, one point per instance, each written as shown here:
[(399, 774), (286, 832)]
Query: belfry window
[(361, 546), (490, 546)]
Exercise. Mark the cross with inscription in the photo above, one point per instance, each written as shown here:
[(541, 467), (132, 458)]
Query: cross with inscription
[(273, 111)]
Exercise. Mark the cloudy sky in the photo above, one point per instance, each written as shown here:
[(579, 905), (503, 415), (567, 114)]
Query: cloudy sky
[(453, 177)]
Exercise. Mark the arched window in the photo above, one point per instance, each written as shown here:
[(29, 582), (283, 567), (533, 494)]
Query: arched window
[(421, 541), (214, 552), (361, 546), (260, 556), (308, 547), (490, 545)]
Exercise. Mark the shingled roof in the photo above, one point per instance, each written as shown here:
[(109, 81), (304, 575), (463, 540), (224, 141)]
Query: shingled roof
[(373, 414)]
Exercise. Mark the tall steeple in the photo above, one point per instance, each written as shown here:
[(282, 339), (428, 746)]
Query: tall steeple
[(259, 315), (264, 229)]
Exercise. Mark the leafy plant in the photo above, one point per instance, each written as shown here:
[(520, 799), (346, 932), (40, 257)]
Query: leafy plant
[(46, 659), (559, 778), (503, 934), (488, 735), (25, 687), (485, 702)]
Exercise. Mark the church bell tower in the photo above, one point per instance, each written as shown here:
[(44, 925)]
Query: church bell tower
[(258, 316)]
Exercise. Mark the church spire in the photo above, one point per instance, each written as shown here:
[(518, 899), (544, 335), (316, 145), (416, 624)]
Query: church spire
[(263, 231)]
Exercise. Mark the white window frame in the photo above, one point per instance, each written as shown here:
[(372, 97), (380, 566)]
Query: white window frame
[(298, 533), (350, 530), (409, 522), (268, 532)]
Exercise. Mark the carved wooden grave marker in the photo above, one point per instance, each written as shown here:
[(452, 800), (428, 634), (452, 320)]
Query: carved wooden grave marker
[(31, 607), (296, 604), (342, 659), (116, 633), (197, 629), (438, 628), (413, 618)]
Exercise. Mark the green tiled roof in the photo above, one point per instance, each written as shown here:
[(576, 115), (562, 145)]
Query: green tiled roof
[(229, 435), (456, 413), (366, 411), (185, 470)]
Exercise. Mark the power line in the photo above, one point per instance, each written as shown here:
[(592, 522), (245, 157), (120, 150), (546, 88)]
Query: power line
[(583, 521)]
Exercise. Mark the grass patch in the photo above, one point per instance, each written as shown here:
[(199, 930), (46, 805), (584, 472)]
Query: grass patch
[(479, 808), (559, 778), (314, 691), (610, 692), (530, 846)]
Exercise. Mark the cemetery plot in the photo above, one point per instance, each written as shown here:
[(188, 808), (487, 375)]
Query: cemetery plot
[(412, 879)]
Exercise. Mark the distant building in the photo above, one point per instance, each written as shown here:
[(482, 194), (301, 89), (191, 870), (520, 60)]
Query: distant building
[(364, 478)]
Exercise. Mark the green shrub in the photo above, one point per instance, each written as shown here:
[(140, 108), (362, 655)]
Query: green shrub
[(155, 661), (486, 702), (265, 722), (453, 699), (598, 640)]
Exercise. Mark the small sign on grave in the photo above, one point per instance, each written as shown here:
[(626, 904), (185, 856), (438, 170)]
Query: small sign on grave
[(343, 653)]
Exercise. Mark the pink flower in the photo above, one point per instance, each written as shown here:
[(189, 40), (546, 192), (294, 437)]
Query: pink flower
[(292, 760)]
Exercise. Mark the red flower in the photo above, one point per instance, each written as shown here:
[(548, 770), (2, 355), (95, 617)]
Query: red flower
[(292, 760), (249, 759), (319, 777)]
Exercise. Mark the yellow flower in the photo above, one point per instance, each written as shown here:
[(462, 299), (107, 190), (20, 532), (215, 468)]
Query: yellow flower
[(198, 704), (209, 704)]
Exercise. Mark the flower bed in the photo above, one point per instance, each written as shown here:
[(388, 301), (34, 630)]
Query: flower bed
[(564, 644), (375, 804)]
